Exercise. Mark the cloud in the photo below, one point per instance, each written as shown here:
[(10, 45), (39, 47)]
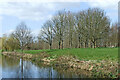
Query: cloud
[(26, 10), (32, 10), (36, 32), (105, 4), (9, 32), (111, 6), (44, 9)]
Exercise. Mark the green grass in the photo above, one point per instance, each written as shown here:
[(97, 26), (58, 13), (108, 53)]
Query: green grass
[(36, 51), (82, 53)]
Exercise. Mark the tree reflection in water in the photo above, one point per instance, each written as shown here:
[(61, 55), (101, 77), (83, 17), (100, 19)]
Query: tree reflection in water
[(19, 68)]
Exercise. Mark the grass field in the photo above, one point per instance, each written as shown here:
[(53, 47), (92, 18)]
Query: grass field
[(82, 53)]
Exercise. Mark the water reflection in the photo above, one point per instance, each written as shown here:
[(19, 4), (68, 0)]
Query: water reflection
[(12, 68)]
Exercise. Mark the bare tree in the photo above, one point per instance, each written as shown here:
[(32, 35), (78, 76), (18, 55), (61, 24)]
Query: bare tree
[(81, 28), (99, 24), (59, 22), (23, 35), (57, 30), (47, 33), (70, 27), (96, 25)]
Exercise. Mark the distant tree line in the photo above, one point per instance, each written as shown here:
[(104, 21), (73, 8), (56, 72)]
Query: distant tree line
[(85, 29)]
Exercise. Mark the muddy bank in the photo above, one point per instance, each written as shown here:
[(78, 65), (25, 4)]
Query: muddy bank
[(95, 68)]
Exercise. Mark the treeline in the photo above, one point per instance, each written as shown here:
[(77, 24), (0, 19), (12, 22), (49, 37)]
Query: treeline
[(85, 29)]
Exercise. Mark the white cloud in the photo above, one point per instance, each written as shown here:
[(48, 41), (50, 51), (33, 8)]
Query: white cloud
[(36, 32), (105, 4), (42, 9), (9, 31), (31, 10), (111, 6), (22, 10)]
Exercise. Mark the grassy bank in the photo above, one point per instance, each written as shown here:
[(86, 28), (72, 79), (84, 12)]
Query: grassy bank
[(82, 53)]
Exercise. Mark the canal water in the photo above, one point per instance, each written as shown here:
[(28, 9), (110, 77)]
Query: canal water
[(13, 68)]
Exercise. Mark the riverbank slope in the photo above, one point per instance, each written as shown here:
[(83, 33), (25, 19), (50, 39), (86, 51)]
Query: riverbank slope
[(100, 61)]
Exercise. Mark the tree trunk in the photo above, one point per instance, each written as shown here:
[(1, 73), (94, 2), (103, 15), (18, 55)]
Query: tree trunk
[(50, 46), (59, 44), (79, 42), (86, 44), (22, 51), (71, 42), (62, 44), (22, 67), (91, 45), (81, 45), (94, 44)]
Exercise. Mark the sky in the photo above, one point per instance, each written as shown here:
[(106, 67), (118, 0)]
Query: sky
[(35, 12)]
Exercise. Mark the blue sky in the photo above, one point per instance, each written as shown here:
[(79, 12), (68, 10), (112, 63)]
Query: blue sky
[(34, 14)]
